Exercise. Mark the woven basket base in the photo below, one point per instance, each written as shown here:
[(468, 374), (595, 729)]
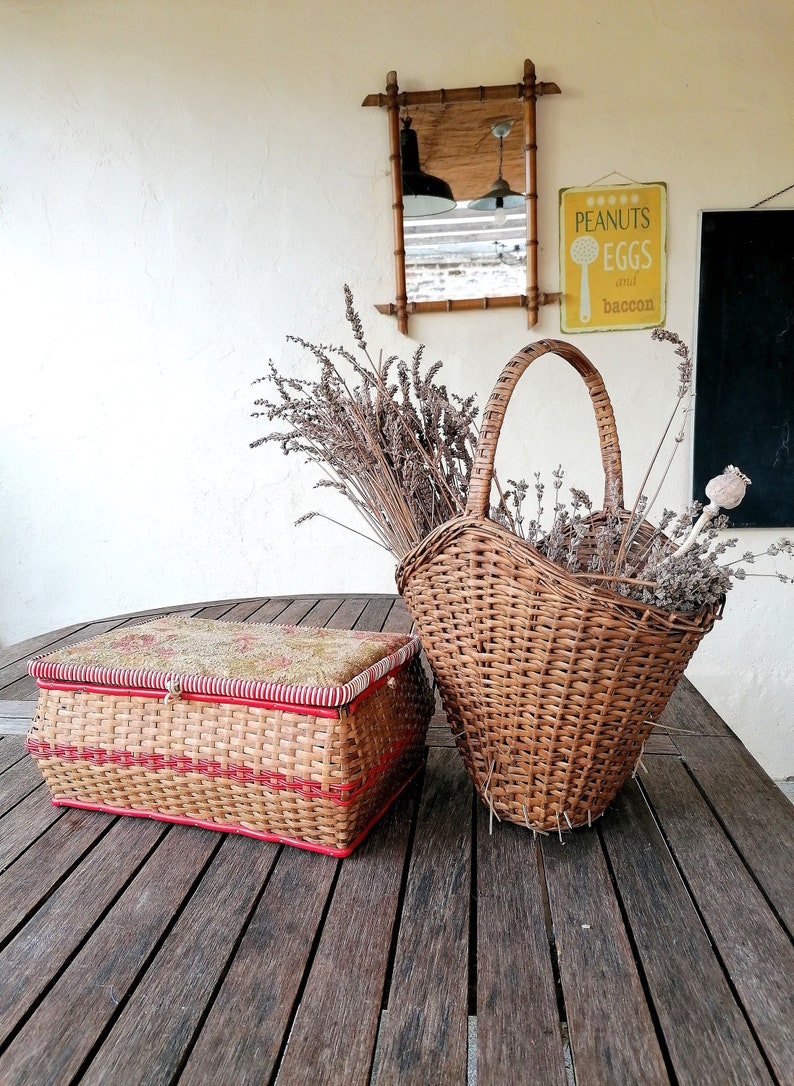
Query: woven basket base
[(555, 792), (324, 831)]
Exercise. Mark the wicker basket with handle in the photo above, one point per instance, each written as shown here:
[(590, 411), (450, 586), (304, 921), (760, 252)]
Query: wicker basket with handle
[(551, 680)]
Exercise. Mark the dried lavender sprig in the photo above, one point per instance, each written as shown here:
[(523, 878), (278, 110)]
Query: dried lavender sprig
[(312, 515), (783, 546)]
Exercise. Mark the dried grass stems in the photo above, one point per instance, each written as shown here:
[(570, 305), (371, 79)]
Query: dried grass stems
[(390, 437), (684, 397), (623, 549)]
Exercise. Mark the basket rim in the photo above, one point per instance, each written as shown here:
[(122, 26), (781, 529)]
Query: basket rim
[(456, 525)]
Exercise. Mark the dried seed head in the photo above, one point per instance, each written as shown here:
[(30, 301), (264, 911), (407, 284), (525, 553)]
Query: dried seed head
[(727, 490)]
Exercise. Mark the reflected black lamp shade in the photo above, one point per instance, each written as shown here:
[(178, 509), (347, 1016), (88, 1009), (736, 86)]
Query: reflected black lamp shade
[(423, 194), (498, 195)]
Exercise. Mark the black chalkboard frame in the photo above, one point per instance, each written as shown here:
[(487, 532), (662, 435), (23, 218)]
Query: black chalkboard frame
[(744, 360)]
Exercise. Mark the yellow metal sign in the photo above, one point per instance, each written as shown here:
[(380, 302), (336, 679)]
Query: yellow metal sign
[(613, 257)]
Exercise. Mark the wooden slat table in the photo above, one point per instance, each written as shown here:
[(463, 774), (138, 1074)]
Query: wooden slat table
[(654, 948)]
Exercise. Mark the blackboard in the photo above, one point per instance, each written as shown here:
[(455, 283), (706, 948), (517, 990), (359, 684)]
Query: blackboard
[(744, 360)]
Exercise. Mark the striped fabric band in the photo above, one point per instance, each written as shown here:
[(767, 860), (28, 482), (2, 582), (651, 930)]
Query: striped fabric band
[(161, 683)]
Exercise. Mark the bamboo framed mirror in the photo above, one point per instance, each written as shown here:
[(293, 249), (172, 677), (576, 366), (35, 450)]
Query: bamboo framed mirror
[(455, 134)]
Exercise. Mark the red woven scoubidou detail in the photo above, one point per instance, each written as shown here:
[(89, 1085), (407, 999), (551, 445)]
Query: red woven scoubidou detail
[(244, 690), (340, 794)]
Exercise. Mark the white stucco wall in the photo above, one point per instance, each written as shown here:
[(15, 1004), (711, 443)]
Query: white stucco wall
[(185, 183)]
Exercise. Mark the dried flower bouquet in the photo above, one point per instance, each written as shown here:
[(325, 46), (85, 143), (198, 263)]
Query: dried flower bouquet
[(399, 446), (389, 436)]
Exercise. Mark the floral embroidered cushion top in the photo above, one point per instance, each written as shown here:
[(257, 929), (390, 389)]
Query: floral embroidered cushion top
[(298, 664)]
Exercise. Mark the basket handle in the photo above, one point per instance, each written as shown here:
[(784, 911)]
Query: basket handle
[(478, 501)]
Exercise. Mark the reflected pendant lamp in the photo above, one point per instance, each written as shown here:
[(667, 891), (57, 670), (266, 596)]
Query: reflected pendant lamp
[(423, 194), (499, 196)]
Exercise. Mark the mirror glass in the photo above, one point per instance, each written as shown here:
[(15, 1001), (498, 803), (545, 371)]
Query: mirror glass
[(465, 253)]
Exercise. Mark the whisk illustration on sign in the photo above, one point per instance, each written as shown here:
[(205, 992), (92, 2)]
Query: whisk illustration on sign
[(584, 250)]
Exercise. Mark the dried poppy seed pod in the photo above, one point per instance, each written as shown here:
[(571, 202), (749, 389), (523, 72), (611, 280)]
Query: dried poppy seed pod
[(727, 490), (724, 492)]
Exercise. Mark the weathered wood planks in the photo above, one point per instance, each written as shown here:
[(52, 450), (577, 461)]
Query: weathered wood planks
[(424, 1035), (653, 949)]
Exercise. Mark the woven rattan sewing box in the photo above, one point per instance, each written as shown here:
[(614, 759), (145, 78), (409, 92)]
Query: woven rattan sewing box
[(298, 735)]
